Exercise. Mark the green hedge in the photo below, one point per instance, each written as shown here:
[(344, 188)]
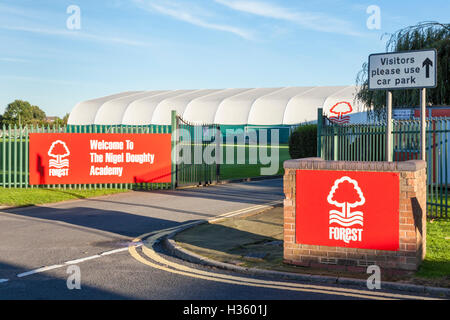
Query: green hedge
[(303, 142)]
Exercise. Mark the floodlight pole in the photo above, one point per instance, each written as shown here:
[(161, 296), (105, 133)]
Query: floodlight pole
[(423, 126), (389, 126)]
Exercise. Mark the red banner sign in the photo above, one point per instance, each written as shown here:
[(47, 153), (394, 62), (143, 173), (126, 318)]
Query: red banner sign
[(348, 209), (91, 158)]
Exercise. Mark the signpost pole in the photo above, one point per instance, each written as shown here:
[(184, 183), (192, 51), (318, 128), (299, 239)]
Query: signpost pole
[(389, 126), (174, 149), (423, 128)]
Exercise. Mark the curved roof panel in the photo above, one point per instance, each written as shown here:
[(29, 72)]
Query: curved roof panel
[(84, 113), (204, 109), (235, 110), (112, 111), (140, 112), (303, 107), (162, 113), (346, 95), (270, 109)]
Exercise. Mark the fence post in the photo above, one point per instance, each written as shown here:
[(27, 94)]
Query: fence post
[(3, 184), (335, 142), (219, 154), (319, 132), (174, 151)]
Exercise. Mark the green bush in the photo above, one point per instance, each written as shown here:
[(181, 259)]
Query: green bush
[(303, 142)]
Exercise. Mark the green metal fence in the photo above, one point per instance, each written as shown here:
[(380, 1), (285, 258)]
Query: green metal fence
[(193, 142), (14, 153), (366, 142)]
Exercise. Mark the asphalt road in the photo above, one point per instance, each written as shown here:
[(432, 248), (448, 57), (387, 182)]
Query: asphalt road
[(99, 231)]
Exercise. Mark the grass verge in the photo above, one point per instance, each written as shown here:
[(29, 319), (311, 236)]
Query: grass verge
[(437, 261), (26, 197)]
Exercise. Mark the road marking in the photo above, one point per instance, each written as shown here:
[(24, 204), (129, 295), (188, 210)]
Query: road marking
[(137, 243), (213, 277), (169, 266), (4, 280), (107, 253), (245, 210), (39, 270), (70, 262), (148, 251), (82, 259)]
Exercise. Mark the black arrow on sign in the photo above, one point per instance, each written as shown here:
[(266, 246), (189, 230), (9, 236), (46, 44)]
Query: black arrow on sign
[(427, 63)]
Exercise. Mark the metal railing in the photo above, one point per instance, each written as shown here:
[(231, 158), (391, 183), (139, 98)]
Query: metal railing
[(14, 154), (366, 142), (194, 139)]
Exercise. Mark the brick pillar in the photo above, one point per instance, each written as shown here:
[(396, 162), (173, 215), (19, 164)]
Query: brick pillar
[(412, 219)]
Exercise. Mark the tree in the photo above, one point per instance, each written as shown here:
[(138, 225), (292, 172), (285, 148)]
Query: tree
[(37, 113), (425, 35), (22, 112), (61, 122)]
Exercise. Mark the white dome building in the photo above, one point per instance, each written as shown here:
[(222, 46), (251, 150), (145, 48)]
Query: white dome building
[(235, 107), (232, 109)]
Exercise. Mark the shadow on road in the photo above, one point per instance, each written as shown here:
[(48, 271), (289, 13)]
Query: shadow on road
[(249, 192), (121, 213), (118, 222), (44, 287)]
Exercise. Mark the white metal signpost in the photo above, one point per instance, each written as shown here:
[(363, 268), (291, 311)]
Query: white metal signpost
[(403, 70)]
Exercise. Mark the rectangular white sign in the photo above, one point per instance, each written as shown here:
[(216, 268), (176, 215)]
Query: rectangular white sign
[(402, 70)]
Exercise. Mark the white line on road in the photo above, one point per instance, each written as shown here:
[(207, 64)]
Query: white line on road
[(56, 266), (4, 280), (38, 270), (137, 244), (82, 259), (107, 253)]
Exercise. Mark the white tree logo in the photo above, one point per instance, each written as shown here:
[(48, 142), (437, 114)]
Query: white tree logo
[(346, 194), (58, 150)]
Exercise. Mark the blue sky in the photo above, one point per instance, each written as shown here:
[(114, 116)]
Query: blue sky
[(188, 44)]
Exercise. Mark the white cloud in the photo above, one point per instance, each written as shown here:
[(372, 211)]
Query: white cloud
[(76, 34), (43, 80), (310, 20), (183, 13)]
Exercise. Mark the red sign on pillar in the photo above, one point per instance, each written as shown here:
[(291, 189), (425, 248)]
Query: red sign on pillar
[(348, 209), (90, 158)]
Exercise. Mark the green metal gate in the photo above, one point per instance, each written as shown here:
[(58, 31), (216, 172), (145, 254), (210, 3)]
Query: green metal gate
[(197, 153), (194, 139), (366, 142)]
